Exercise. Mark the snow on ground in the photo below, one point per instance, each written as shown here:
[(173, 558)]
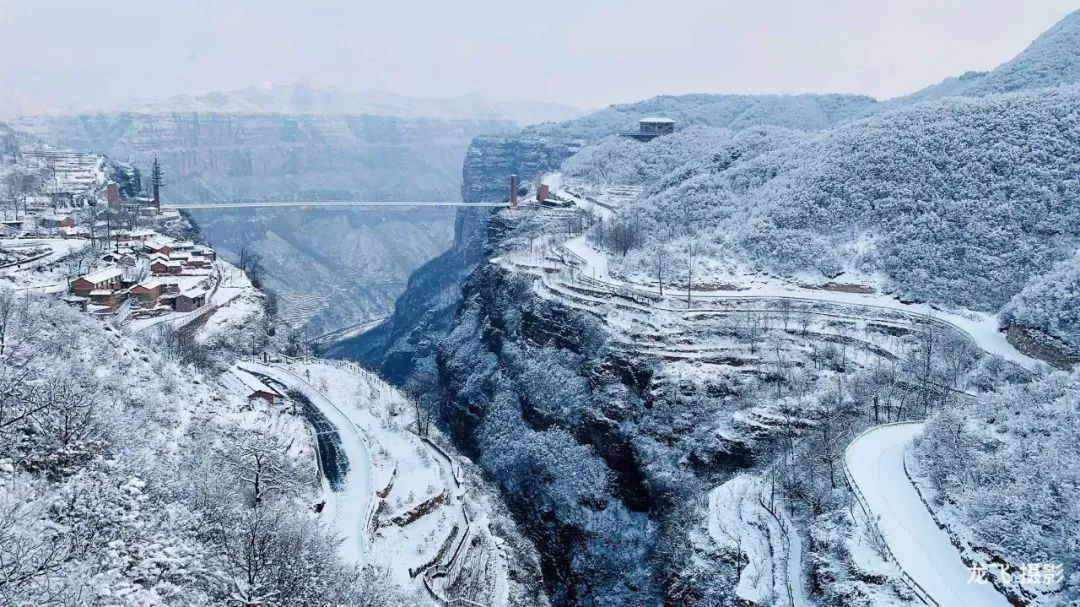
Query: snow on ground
[(769, 549), (381, 412), (373, 416), (348, 508), (596, 263), (225, 281), (43, 275), (239, 312), (731, 526), (601, 200), (411, 472), (875, 462)]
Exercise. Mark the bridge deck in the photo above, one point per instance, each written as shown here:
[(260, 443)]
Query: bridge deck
[(369, 204)]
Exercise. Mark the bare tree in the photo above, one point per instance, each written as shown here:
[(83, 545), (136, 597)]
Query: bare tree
[(833, 433), (805, 319), (785, 312), (67, 418), (7, 314), (20, 184), (624, 236), (752, 328), (875, 538), (259, 463)]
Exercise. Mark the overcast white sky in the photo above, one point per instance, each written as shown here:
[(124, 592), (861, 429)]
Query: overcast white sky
[(588, 53)]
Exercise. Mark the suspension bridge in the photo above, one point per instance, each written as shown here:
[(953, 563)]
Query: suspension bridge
[(350, 204)]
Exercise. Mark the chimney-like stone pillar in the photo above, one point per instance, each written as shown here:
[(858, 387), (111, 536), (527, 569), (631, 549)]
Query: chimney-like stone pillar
[(513, 190)]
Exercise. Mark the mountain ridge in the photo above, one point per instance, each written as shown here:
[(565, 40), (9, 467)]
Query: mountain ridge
[(1052, 59)]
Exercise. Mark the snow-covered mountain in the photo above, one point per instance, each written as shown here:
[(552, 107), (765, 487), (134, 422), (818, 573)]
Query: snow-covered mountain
[(958, 202)]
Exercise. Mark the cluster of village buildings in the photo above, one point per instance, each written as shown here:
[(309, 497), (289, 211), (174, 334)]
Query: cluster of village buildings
[(148, 274)]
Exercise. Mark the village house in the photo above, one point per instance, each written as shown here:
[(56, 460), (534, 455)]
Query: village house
[(204, 252), (256, 389), (15, 224), (127, 257), (106, 299), (75, 232), (79, 303), (108, 280), (147, 292), (56, 221), (133, 236), (164, 267), (190, 300), (156, 246)]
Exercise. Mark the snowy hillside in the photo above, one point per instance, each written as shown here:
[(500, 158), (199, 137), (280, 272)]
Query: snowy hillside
[(661, 394), (125, 478), (807, 112), (958, 202), (974, 471)]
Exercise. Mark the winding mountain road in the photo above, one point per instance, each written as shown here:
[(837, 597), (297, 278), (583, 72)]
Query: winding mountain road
[(349, 504), (875, 465)]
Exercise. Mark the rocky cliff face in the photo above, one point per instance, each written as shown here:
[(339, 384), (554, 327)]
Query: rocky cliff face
[(492, 159), (331, 268)]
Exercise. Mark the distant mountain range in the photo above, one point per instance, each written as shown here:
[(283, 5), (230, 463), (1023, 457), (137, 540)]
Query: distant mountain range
[(305, 97)]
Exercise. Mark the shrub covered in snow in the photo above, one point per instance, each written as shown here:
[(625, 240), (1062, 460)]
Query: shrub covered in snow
[(1051, 302)]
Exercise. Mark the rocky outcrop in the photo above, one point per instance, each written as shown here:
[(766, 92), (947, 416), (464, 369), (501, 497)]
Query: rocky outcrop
[(492, 159), (1043, 346)]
